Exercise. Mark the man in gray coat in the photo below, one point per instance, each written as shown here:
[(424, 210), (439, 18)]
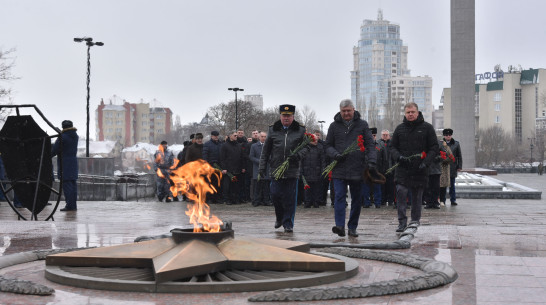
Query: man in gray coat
[(344, 131), (260, 189)]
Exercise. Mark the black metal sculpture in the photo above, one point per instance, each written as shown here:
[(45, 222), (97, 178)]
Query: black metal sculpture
[(26, 152)]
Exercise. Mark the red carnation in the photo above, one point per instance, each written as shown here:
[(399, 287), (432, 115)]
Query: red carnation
[(443, 155), (234, 179), (306, 187), (423, 155)]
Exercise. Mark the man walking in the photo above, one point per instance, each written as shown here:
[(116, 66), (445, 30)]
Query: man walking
[(456, 166), (373, 190), (283, 137), (344, 131), (409, 139), (69, 174)]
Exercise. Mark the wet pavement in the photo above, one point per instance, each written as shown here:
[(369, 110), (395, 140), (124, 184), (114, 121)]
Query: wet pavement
[(497, 246)]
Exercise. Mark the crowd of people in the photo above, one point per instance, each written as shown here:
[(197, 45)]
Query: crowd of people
[(406, 169)]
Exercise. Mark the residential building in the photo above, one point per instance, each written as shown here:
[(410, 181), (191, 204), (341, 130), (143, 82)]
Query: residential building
[(130, 123), (516, 102), (379, 56), (406, 89)]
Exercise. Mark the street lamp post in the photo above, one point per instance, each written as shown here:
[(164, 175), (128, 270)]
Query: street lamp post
[(236, 112), (531, 146), (89, 42), (321, 130)]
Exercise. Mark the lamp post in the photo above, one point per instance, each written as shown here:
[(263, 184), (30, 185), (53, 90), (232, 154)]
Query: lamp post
[(236, 112), (321, 131), (89, 42), (531, 146)]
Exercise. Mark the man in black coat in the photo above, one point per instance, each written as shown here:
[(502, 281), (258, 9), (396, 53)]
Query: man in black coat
[(455, 167), (387, 189), (233, 161), (69, 174), (211, 154), (195, 151), (283, 137), (411, 138), (344, 131), (312, 166)]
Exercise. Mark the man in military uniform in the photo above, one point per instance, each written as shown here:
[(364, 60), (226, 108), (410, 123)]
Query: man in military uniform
[(283, 137)]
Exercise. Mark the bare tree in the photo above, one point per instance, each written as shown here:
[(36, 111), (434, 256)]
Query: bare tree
[(496, 147), (6, 64), (308, 117)]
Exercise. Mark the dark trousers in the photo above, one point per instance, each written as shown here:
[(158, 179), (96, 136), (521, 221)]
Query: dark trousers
[(70, 190), (231, 189), (416, 203), (355, 187), (367, 191), (313, 195), (261, 191), (388, 190), (452, 194), (324, 184), (284, 193), (433, 190)]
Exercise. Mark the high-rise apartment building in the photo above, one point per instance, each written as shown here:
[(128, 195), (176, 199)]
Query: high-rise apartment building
[(417, 89), (132, 123), (379, 56)]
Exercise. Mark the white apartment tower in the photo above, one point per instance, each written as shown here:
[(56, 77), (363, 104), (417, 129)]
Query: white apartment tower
[(379, 56)]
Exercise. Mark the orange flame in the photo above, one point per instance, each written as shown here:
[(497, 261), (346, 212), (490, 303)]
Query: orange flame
[(160, 155), (193, 179)]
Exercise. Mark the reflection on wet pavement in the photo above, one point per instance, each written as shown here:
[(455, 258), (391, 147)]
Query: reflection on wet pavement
[(497, 246)]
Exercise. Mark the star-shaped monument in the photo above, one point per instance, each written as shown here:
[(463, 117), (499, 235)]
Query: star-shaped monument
[(172, 259)]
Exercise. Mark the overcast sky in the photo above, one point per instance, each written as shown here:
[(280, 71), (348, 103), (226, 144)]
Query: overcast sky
[(185, 54)]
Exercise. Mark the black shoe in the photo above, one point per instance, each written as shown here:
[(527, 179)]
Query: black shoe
[(288, 230), (255, 204), (429, 207), (436, 206), (401, 228), (67, 210), (366, 206), (316, 205), (377, 206), (454, 203), (352, 233), (307, 206), (176, 199), (338, 230), (278, 224)]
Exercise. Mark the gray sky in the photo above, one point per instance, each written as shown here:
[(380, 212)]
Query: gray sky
[(185, 54)]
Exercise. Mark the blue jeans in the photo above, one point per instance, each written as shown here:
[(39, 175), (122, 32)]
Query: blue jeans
[(452, 195), (376, 194), (284, 194), (355, 187)]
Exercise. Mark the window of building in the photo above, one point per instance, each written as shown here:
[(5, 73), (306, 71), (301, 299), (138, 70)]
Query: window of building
[(394, 65), (145, 123), (401, 82), (536, 102), (497, 107), (159, 116), (394, 71), (498, 97), (476, 103), (517, 101), (497, 119), (144, 115)]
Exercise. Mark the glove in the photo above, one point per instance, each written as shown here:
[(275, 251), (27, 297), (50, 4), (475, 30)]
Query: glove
[(262, 174), (340, 157), (404, 160), (422, 165)]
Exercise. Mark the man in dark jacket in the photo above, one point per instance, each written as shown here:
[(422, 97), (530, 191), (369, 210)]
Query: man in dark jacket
[(456, 166), (164, 159), (432, 191), (344, 131), (195, 151), (373, 191), (283, 137), (244, 190), (211, 154), (232, 161), (325, 183), (409, 139), (312, 165), (260, 194), (69, 174), (387, 189)]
